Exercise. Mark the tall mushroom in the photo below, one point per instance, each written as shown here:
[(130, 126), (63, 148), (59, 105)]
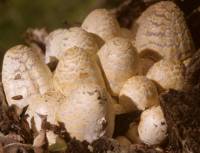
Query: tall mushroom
[(88, 113), (75, 67), (119, 61), (162, 32), (24, 74)]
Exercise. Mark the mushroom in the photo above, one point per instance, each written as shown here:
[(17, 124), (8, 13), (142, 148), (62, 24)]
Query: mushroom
[(123, 141), (24, 74), (132, 133), (60, 40), (168, 74), (162, 31), (119, 61), (102, 23), (139, 92), (87, 113), (53, 44), (75, 67), (152, 127), (45, 105)]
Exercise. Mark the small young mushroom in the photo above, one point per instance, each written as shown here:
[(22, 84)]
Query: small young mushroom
[(139, 92), (119, 61), (168, 74), (24, 74), (132, 133), (162, 30), (123, 141), (102, 23), (152, 128), (87, 113), (45, 106), (60, 40), (75, 67)]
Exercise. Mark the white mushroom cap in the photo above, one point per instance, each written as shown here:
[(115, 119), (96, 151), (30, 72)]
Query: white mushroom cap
[(119, 61), (46, 105), (123, 141), (24, 74), (87, 113), (144, 65), (132, 133), (53, 44), (102, 23), (162, 29), (75, 67), (168, 74), (60, 40), (152, 128), (140, 92)]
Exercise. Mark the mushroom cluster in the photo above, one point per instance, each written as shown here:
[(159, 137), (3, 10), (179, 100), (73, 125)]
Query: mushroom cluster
[(103, 70)]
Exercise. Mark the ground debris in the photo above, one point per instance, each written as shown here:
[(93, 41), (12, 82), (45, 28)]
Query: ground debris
[(37, 37), (193, 71), (182, 113)]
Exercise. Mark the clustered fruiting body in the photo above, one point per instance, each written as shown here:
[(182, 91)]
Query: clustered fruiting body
[(118, 56), (162, 30), (139, 92), (95, 61), (152, 128), (24, 75)]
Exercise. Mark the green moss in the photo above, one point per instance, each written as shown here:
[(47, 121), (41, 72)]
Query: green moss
[(18, 15)]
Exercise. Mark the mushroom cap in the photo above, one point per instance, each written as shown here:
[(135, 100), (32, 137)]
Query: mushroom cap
[(162, 29), (45, 105), (144, 65), (140, 92), (87, 113), (168, 74), (60, 40), (119, 61), (152, 127), (132, 133), (53, 44), (102, 23), (24, 74), (75, 67)]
